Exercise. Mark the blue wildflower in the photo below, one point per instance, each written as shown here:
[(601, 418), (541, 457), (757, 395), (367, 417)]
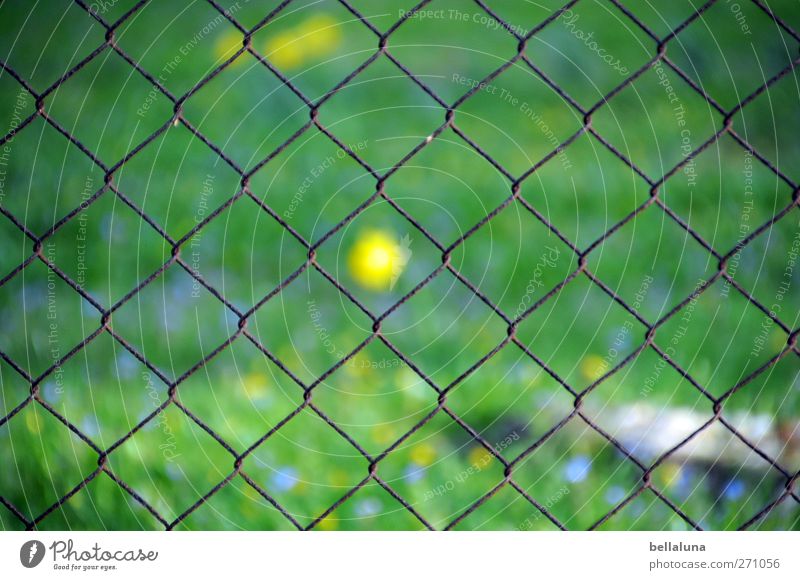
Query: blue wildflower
[(615, 494), (368, 507), (413, 473), (284, 479), (734, 490), (577, 468)]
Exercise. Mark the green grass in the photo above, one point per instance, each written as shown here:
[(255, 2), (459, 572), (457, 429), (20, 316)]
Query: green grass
[(580, 333)]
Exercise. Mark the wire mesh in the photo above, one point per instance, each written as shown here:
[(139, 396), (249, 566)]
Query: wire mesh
[(448, 125)]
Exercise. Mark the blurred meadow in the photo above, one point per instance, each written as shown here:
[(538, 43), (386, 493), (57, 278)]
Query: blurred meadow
[(161, 233)]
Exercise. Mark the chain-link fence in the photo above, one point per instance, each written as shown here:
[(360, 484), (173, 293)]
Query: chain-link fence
[(647, 332)]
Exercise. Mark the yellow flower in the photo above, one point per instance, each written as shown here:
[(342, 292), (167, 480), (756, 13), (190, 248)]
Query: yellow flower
[(338, 478), (316, 36), (669, 474), (227, 45), (383, 434), (255, 384), (319, 34), (423, 454), (593, 367), (479, 457), (377, 260), (328, 524), (285, 50)]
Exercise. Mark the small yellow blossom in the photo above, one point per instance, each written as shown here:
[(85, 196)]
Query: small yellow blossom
[(328, 524), (320, 34), (255, 384), (593, 367), (377, 259), (669, 474), (227, 45), (479, 457), (423, 454), (285, 50)]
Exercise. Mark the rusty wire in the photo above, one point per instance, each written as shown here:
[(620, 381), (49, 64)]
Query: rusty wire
[(109, 188)]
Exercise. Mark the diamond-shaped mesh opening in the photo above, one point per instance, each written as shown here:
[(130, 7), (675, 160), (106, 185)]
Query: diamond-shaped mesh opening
[(366, 108), (444, 329), (440, 460), (328, 328), (511, 402), (375, 398), (85, 247), (448, 187), (517, 118), (379, 256), (590, 49), (657, 121), (720, 338), (316, 45), (40, 471), (583, 469), (594, 195), (652, 263), (115, 100), (237, 266), (181, 460), (54, 319), (648, 407), (306, 466), (580, 332), (240, 394), (105, 403), (258, 97), (725, 194), (177, 180), (744, 47), (514, 259), (71, 36), (45, 177), (314, 184), (464, 43), (164, 310)]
